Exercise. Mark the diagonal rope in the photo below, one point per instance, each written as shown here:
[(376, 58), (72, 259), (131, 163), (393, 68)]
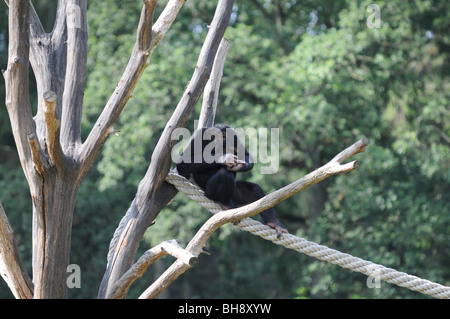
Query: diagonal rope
[(313, 249)]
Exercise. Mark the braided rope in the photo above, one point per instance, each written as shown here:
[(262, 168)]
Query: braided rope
[(313, 249)]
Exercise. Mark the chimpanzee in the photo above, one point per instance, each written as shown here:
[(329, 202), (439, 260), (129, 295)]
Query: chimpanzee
[(213, 157)]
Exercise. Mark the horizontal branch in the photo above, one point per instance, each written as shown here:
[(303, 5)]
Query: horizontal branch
[(11, 266), (197, 243)]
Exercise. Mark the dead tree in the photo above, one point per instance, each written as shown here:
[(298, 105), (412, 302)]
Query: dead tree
[(52, 155)]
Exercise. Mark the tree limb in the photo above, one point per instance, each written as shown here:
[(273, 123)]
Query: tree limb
[(16, 82), (165, 20), (195, 246), (139, 60), (75, 74), (11, 266), (59, 26), (358, 147), (211, 93)]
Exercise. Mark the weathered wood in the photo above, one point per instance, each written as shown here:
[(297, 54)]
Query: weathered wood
[(53, 129), (170, 247), (211, 94), (165, 20), (139, 60), (36, 153), (12, 268), (75, 74), (16, 83)]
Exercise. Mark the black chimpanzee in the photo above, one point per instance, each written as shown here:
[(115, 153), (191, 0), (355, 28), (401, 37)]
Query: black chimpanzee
[(212, 158)]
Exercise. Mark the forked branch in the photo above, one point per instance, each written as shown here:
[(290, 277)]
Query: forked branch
[(139, 60), (169, 247)]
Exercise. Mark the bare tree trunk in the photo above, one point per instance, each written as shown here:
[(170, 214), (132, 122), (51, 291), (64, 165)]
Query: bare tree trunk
[(47, 158), (52, 226)]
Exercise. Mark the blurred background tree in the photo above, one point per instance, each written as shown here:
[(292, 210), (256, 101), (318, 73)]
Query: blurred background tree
[(315, 70)]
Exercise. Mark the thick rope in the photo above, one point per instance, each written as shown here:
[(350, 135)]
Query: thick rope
[(313, 249)]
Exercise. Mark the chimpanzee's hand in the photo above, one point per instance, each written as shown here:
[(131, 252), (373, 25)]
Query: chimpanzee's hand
[(229, 160), (238, 166)]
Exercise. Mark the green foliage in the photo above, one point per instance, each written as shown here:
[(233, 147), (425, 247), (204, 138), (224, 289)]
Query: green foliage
[(315, 70)]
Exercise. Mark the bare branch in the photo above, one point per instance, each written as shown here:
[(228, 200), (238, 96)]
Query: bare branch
[(211, 93), (75, 73), (165, 20), (16, 81), (173, 248), (59, 27), (197, 243), (120, 288), (331, 168), (138, 62), (165, 280), (358, 147), (170, 247), (11, 266)]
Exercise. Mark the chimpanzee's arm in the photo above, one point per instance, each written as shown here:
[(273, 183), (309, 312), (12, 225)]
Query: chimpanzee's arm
[(192, 159), (242, 165)]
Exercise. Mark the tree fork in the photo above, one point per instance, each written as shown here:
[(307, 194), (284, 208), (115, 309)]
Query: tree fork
[(53, 192)]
